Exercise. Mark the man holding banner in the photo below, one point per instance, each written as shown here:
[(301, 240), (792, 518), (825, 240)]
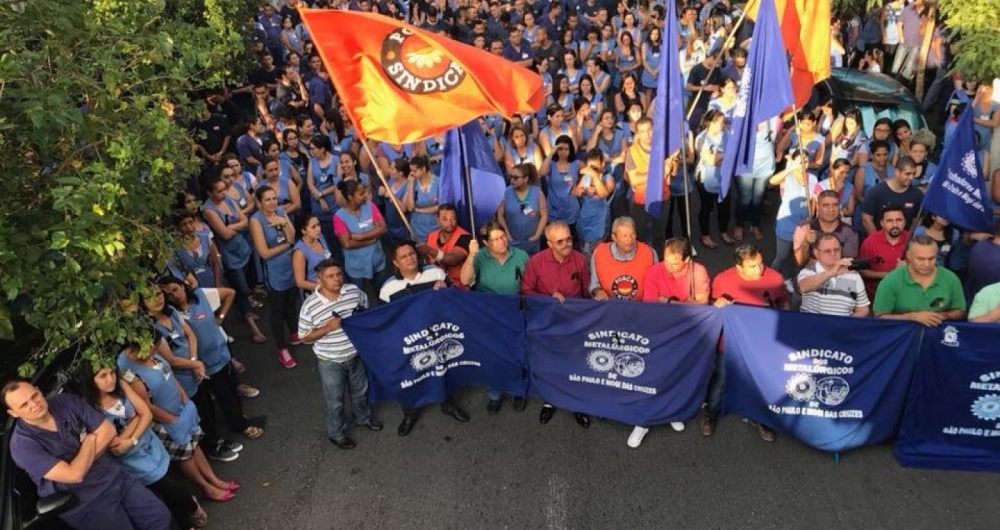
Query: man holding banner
[(559, 272), (921, 292), (340, 368), (410, 279)]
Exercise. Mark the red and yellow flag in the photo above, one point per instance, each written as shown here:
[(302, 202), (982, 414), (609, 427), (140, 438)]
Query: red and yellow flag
[(805, 28), (401, 84)]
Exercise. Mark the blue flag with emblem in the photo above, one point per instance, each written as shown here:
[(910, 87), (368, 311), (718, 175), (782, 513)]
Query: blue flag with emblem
[(952, 417), (958, 191), (471, 179), (668, 114), (765, 91), (640, 364), (419, 349), (834, 383)]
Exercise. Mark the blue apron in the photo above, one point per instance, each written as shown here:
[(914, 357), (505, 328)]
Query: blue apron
[(278, 274), (236, 250), (366, 261), (522, 217)]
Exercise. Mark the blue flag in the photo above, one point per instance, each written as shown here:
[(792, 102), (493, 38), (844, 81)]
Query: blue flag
[(765, 91), (417, 350), (640, 364), (834, 383), (958, 192), (668, 113), (952, 418), (470, 175)]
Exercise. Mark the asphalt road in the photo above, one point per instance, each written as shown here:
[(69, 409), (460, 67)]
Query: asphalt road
[(509, 472)]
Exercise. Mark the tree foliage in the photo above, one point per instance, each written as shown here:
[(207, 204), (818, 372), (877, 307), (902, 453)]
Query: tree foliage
[(978, 23), (94, 152)]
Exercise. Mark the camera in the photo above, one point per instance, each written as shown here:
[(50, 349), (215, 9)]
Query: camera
[(860, 265)]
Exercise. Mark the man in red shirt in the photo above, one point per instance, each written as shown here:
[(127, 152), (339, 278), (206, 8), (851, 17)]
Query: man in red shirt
[(885, 249), (559, 272), (679, 279), (448, 246), (750, 283)]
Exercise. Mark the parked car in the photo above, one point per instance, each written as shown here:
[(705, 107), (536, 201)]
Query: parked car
[(876, 95)]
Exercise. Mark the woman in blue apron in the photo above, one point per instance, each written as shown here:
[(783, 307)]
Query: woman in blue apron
[(589, 92), (273, 237), (593, 188), (175, 416), (288, 192), (806, 138), (610, 139), (626, 58), (229, 226), (309, 250), (523, 211), (136, 447), (560, 173), (424, 201), (237, 190), (195, 309), (849, 137), (359, 226), (197, 254), (556, 127), (434, 148), (287, 171), (521, 149), (322, 183), (350, 169), (709, 145), (400, 185), (651, 60)]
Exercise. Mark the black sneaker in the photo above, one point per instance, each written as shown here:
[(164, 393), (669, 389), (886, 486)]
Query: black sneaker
[(232, 445), (221, 454)]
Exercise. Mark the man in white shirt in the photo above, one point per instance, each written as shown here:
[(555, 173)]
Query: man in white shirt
[(340, 366), (829, 286)]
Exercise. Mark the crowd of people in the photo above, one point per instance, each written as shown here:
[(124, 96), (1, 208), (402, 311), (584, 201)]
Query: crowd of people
[(292, 214)]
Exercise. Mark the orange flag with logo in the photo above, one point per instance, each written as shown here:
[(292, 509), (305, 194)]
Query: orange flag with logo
[(401, 84), (805, 28)]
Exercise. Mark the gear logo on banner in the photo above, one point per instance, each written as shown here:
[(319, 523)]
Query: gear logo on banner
[(987, 407), (434, 350), (818, 382), (616, 353)]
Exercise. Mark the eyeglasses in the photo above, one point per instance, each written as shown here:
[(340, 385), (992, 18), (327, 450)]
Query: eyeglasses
[(498, 238), (828, 251)]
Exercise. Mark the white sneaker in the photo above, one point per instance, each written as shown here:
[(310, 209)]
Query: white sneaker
[(635, 439), (677, 426)]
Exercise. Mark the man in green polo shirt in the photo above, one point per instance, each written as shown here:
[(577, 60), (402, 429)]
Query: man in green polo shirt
[(921, 291), (497, 270)]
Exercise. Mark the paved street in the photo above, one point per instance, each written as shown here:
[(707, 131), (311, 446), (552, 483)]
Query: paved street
[(508, 471)]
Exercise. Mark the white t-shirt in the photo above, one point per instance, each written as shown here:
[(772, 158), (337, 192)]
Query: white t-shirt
[(395, 285)]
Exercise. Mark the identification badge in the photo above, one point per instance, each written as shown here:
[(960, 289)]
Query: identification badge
[(199, 270), (243, 202), (528, 210), (364, 224), (281, 236)]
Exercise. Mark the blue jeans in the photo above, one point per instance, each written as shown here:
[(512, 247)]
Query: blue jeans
[(715, 385), (336, 378), (749, 196)]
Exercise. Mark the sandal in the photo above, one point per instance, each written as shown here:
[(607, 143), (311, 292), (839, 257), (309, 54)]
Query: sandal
[(726, 239), (233, 486), (199, 518), (238, 366), (708, 242), (253, 433), (225, 497)]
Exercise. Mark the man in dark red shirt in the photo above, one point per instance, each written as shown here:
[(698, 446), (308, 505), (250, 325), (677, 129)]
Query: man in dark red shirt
[(885, 249), (559, 272), (750, 282)]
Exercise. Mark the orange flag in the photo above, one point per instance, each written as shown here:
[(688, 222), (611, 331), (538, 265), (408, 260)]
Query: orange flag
[(805, 28), (401, 84)]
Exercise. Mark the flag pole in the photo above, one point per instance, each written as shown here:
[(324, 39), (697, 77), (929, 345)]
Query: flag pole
[(725, 46), (803, 158), (467, 179), (385, 183), (687, 189)]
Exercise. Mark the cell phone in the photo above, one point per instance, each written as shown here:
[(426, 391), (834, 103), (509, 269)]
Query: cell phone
[(860, 265)]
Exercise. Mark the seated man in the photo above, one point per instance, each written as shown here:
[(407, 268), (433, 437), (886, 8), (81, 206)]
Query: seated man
[(828, 285), (921, 292), (498, 270), (885, 249), (559, 272), (410, 279), (61, 444), (750, 282)]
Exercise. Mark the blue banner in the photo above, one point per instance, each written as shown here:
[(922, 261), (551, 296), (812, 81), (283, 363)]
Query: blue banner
[(834, 383), (417, 350), (640, 364), (470, 173), (952, 417), (958, 191), (668, 113)]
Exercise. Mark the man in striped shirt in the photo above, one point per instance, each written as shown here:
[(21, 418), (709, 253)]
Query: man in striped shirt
[(340, 367), (828, 286)]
